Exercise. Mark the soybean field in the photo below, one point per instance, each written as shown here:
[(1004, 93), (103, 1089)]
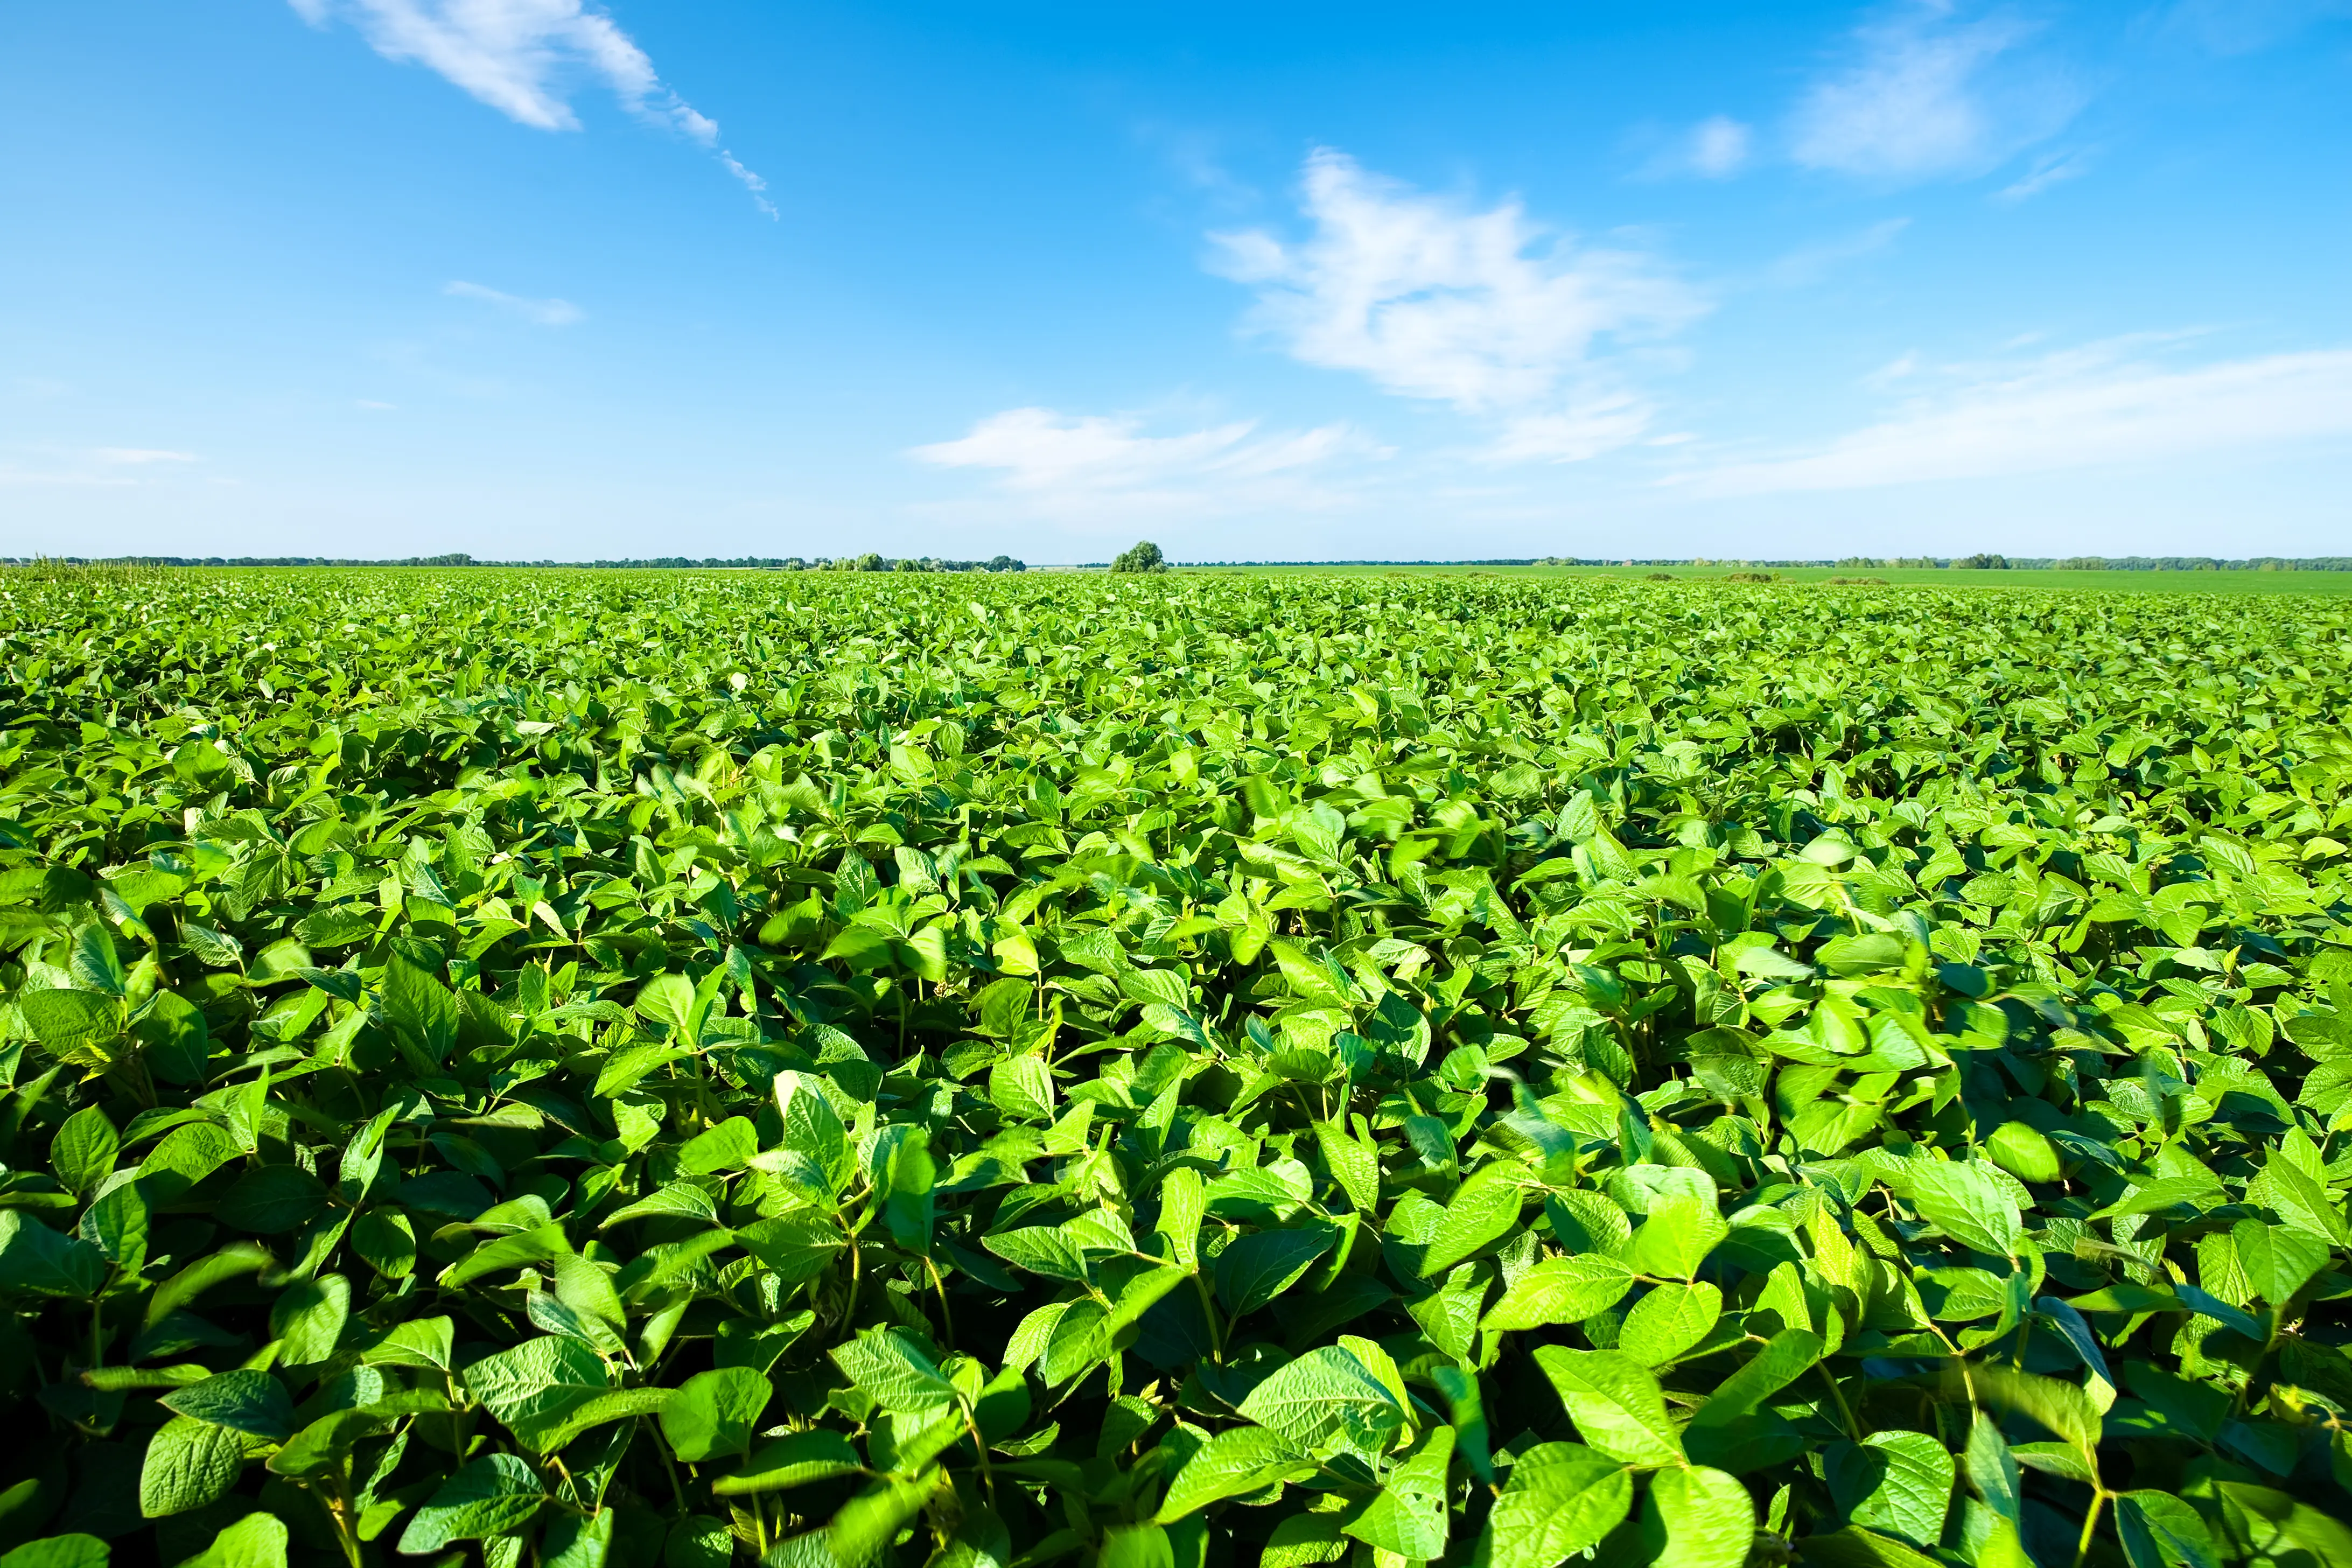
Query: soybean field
[(673, 1070)]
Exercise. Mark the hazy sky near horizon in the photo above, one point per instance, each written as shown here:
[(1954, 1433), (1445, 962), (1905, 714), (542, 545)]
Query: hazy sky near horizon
[(559, 278)]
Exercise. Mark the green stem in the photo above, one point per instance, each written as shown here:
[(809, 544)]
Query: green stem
[(1845, 1411), (2090, 1524)]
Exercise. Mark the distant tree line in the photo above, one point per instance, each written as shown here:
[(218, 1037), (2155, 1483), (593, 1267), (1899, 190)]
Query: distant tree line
[(2097, 562), (1147, 557), (869, 563)]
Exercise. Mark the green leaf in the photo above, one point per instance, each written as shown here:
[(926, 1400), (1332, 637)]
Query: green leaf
[(1669, 1321), (1021, 1088), (574, 1541), (116, 1225), (1353, 1165), (1408, 1517), (307, 1320), (869, 1521), (1615, 1403), (1682, 1228), (1259, 1265), (1856, 1548), (189, 1464), (2023, 1152), (887, 1366), (713, 1413), (1483, 1210), (270, 1199), (1697, 1518), (59, 1551), (421, 1011), (798, 1244), (2281, 1530), (1234, 1463), (791, 1461), (1897, 1483), (1966, 1205), (1325, 1395), (813, 1150), (256, 1540), (726, 1147), (2161, 1530), (1559, 1500), (246, 1400), (493, 1495), (1561, 1290), (1136, 1546), (1992, 1469), (68, 1021), (2062, 1407), (548, 1391), (84, 1150), (36, 1261), (2278, 1261)]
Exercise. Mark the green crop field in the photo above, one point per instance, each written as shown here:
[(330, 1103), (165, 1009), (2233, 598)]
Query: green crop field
[(651, 1068)]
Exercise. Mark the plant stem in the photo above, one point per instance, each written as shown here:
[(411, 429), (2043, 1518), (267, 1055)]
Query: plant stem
[(2090, 1524)]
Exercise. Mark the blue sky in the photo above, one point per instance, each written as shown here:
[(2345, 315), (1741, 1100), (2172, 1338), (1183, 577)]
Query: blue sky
[(547, 277)]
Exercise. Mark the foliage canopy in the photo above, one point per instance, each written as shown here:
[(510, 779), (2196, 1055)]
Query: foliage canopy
[(855, 1070)]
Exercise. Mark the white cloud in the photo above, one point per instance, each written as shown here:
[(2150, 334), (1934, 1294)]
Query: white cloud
[(1484, 310), (2242, 27), (545, 312), (1087, 465), (1719, 146), (2051, 169), (751, 182), (1929, 94), (1810, 264), (140, 457), (2107, 403), (1715, 148), (523, 58)]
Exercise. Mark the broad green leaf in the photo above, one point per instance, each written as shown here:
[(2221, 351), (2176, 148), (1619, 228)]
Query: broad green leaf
[(489, 1496), (1897, 1483), (1697, 1518), (246, 1400), (1966, 1205), (75, 1550), (713, 1413), (1328, 1392), (1235, 1462), (84, 1150), (256, 1540), (1482, 1211), (1559, 1500), (2161, 1530), (36, 1261), (1614, 1402), (1258, 1267), (899, 1377), (1408, 1517), (1681, 1229), (1561, 1290), (791, 1461), (1669, 1321), (307, 1320), (548, 1391), (189, 1464)]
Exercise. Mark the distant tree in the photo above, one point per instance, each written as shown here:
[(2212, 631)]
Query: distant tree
[(869, 562), (1144, 556), (1981, 564), (1004, 563)]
